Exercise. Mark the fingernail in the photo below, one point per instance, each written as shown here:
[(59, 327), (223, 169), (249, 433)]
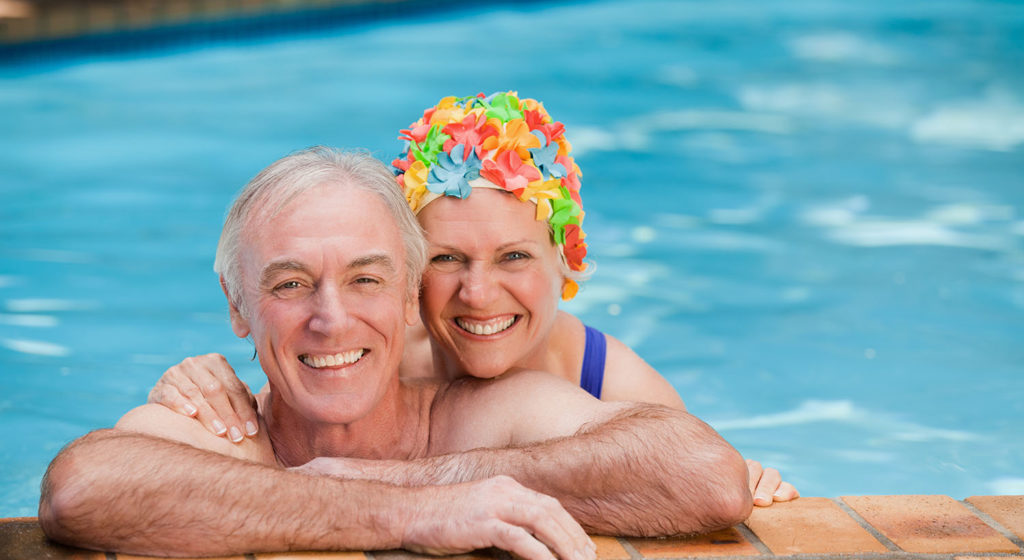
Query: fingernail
[(219, 428), (191, 410), (250, 428), (236, 434), (762, 500)]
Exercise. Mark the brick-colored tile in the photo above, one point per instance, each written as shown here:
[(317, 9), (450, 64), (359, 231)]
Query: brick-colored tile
[(929, 524), (21, 537), (122, 556), (311, 556), (609, 548), (1007, 510), (15, 30), (488, 554), (176, 11), (63, 21), (101, 16), (811, 526), (727, 542)]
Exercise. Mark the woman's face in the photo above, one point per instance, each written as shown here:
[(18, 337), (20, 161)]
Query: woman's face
[(492, 283)]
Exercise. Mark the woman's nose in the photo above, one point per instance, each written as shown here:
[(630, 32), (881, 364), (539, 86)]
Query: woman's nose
[(479, 286)]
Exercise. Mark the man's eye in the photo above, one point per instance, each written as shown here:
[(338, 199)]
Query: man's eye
[(289, 285), (367, 280)]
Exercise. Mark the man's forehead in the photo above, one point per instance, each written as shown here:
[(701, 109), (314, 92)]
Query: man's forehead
[(350, 226)]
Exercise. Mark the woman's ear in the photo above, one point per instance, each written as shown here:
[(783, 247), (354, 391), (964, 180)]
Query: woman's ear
[(239, 324)]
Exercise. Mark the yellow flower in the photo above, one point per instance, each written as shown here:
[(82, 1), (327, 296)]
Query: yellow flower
[(542, 190), (416, 184)]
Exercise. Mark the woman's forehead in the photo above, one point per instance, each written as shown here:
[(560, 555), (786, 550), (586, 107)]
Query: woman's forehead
[(487, 212)]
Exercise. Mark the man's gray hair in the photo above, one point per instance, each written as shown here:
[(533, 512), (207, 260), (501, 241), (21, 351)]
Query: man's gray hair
[(274, 187)]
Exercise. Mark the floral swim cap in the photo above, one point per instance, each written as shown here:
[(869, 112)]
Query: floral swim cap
[(499, 142)]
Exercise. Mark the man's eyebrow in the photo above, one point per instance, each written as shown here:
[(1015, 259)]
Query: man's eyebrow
[(275, 267), (374, 259)]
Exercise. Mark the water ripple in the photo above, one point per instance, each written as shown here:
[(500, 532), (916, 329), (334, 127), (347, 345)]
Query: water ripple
[(35, 347)]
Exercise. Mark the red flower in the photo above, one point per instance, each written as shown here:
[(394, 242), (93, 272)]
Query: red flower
[(402, 164), (470, 132), (509, 172), (416, 134), (575, 249), (536, 121)]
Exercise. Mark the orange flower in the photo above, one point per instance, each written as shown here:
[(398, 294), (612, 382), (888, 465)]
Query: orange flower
[(515, 136)]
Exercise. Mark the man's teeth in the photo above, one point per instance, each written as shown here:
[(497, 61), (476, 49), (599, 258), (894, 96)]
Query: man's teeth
[(489, 327), (341, 359)]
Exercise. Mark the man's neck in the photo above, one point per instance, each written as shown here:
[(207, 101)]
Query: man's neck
[(397, 428)]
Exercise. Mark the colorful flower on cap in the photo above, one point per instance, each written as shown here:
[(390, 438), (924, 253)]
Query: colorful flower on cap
[(503, 142)]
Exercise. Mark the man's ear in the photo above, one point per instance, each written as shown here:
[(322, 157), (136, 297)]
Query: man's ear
[(412, 308), (238, 323)]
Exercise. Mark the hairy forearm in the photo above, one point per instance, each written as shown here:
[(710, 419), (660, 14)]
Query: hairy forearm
[(649, 471), (127, 492)]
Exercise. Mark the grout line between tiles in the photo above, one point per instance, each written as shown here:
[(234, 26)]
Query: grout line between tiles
[(633, 552), (867, 526), (995, 524), (752, 537)]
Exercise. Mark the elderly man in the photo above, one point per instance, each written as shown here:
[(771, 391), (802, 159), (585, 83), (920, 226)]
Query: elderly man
[(319, 258)]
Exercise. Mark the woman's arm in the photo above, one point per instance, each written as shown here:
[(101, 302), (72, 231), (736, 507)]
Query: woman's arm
[(627, 377), (207, 388)]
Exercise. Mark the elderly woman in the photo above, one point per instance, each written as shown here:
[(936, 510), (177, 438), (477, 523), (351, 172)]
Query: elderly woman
[(495, 188)]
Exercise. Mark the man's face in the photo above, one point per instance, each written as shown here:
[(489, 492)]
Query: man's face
[(324, 286)]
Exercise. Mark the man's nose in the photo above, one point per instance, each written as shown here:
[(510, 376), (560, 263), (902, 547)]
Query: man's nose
[(479, 286), (329, 314)]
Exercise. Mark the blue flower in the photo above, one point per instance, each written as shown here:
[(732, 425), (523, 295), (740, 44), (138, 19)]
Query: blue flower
[(452, 173), (544, 158)]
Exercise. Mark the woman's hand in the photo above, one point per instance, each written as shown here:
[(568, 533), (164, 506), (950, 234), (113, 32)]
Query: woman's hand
[(206, 388), (767, 487)]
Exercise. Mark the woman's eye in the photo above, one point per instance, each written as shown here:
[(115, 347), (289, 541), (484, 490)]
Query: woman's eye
[(446, 262), (516, 256)]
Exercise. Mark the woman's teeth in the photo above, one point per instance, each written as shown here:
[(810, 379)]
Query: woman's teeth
[(340, 359), (486, 328)]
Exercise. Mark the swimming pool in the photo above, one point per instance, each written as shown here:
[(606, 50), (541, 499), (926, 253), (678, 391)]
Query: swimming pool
[(807, 215)]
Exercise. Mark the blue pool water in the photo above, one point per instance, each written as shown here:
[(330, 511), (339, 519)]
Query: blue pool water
[(808, 215)]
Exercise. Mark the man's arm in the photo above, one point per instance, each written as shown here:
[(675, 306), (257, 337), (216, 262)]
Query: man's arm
[(618, 468), (132, 492)]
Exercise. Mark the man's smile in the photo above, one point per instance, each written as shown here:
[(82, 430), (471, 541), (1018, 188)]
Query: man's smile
[(318, 361)]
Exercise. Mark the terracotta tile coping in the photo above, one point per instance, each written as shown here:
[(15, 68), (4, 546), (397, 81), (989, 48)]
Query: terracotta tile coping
[(32, 21), (851, 527)]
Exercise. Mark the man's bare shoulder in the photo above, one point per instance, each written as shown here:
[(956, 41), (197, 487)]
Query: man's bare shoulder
[(518, 408), (159, 421)]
